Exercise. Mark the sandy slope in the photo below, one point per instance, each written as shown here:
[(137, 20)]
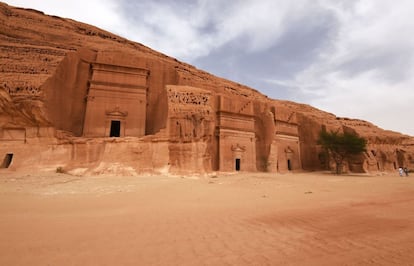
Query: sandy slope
[(245, 219)]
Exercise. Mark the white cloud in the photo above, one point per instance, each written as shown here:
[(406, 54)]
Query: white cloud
[(193, 31), (102, 13), (367, 74)]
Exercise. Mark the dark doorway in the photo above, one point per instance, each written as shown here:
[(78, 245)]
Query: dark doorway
[(289, 165), (7, 160), (115, 128), (237, 164)]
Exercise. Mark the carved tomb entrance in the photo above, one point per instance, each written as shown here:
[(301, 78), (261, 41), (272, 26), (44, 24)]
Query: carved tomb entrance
[(116, 101), (115, 130), (7, 160), (237, 164)]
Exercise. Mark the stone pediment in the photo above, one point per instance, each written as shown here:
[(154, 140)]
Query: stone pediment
[(288, 150), (238, 148), (116, 112)]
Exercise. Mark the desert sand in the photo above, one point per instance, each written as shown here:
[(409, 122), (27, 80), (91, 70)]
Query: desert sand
[(238, 219)]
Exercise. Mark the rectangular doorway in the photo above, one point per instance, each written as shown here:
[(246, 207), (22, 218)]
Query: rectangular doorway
[(289, 165), (7, 160), (237, 164), (115, 128)]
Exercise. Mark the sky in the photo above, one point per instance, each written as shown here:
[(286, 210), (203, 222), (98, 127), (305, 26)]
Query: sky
[(353, 58)]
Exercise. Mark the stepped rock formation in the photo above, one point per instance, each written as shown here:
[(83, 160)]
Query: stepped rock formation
[(77, 98)]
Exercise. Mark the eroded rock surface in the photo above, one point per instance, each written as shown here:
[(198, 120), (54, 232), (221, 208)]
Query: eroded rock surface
[(76, 98)]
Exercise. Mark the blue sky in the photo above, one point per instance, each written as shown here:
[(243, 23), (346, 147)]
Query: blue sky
[(353, 58)]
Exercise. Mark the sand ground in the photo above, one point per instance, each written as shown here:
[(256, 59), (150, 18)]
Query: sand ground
[(241, 219)]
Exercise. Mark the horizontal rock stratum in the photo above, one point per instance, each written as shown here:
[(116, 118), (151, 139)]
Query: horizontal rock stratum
[(79, 99)]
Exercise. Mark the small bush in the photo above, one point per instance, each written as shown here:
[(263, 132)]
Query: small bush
[(60, 170)]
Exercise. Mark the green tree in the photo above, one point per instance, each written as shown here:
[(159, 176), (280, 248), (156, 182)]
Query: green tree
[(341, 146)]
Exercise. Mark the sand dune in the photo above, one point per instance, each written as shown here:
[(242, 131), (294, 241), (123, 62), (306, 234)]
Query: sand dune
[(243, 219)]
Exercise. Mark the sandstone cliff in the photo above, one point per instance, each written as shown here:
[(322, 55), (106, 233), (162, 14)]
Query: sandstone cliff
[(170, 116)]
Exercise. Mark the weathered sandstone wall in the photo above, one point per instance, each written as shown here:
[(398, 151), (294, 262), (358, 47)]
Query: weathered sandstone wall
[(52, 68)]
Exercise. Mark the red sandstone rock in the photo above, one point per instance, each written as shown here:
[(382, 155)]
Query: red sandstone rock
[(78, 97)]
